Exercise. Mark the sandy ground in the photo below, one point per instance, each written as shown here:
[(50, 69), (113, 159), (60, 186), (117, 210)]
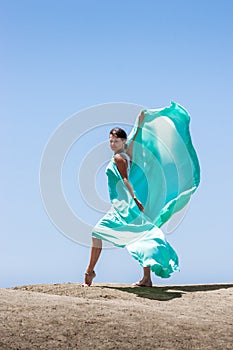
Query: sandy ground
[(115, 316)]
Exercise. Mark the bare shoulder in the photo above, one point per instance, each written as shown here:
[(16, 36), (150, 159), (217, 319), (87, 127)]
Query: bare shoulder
[(119, 159)]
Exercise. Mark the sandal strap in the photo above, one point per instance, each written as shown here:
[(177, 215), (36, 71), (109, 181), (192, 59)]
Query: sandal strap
[(90, 273)]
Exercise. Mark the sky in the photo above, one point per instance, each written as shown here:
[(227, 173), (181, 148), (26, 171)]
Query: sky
[(62, 57)]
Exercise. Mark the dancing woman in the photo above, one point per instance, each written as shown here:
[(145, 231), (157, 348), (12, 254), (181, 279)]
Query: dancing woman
[(152, 175)]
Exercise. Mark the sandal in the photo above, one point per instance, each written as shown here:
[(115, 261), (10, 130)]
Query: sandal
[(89, 276), (139, 284)]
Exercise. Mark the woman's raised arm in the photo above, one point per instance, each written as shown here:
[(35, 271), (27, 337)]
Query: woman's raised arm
[(129, 150)]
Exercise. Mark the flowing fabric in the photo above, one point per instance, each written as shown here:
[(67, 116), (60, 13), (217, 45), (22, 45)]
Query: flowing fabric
[(164, 174)]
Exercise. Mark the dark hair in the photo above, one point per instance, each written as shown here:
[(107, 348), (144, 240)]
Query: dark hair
[(118, 132)]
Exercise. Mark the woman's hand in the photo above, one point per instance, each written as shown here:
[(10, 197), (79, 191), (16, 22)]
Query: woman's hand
[(139, 204), (140, 119)]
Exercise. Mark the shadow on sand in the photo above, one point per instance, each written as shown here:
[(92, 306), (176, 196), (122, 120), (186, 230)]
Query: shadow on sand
[(165, 293)]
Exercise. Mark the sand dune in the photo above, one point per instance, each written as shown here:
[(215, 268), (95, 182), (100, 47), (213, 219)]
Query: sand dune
[(116, 316)]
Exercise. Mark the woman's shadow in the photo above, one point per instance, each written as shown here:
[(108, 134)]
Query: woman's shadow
[(165, 293)]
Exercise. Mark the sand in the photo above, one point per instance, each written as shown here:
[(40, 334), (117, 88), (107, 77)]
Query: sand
[(116, 316)]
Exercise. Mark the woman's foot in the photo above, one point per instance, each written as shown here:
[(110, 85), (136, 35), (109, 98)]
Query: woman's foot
[(145, 282), (88, 278)]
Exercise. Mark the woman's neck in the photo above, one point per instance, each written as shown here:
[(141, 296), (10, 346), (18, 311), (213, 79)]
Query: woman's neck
[(120, 151)]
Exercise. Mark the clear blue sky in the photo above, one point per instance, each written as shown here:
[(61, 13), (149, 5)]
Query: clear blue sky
[(58, 57)]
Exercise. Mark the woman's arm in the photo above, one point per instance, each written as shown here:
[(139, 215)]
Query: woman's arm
[(129, 150), (122, 167)]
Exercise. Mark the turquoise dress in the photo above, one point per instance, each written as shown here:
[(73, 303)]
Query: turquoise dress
[(164, 174)]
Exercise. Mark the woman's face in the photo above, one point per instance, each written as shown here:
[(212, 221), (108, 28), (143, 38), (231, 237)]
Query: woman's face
[(116, 143)]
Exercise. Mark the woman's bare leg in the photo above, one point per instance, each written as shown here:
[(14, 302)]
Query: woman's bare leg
[(94, 256)]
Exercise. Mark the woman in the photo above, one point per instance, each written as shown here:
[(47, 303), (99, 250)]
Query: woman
[(150, 177)]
